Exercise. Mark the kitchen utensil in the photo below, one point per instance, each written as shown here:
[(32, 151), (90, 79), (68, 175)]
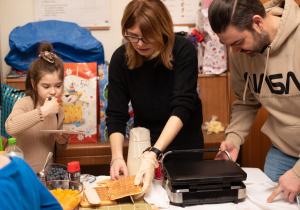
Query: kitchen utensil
[(91, 194), (138, 142), (192, 182), (41, 174), (53, 171), (105, 200)]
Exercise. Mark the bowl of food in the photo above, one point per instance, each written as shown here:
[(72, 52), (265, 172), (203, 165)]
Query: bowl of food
[(53, 171), (68, 193)]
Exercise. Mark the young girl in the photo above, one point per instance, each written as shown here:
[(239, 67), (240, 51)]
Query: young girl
[(39, 109)]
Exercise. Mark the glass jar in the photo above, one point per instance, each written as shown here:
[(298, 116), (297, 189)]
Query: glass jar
[(74, 171)]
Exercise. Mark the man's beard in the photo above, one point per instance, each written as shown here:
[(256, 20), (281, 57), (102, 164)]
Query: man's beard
[(260, 42)]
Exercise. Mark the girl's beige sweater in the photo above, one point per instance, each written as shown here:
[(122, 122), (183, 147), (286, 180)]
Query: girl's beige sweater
[(25, 124)]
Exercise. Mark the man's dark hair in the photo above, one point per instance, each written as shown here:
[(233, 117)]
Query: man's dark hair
[(238, 13)]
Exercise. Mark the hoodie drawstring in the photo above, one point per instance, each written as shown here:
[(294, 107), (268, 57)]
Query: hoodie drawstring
[(263, 82), (245, 89), (265, 72)]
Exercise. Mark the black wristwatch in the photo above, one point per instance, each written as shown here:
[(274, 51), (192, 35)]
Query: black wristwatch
[(156, 151)]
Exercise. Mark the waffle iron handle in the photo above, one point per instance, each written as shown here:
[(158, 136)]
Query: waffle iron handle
[(193, 150)]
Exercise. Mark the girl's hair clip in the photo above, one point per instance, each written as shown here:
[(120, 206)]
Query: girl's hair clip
[(48, 56)]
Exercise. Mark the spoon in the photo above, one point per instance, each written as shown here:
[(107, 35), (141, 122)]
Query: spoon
[(41, 174)]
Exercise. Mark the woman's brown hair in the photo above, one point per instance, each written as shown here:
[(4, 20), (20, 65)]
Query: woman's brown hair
[(40, 67), (155, 23)]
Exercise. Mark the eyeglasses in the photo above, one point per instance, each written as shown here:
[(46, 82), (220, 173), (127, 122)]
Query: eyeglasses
[(135, 39)]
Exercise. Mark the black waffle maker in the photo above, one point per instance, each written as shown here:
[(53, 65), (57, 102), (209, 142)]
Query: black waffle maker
[(193, 182)]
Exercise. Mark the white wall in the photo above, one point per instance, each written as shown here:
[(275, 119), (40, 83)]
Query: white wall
[(15, 13)]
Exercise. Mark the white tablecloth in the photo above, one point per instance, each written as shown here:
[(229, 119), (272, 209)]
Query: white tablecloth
[(258, 188)]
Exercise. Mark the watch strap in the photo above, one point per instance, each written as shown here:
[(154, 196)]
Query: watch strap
[(155, 150)]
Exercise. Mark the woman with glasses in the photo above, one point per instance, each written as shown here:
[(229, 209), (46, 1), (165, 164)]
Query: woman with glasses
[(157, 71)]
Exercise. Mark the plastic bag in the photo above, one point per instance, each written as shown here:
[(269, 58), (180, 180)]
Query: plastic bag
[(72, 43), (79, 101), (214, 126), (103, 89), (9, 96)]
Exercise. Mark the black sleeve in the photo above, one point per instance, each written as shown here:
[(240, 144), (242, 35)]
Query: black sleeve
[(185, 96), (118, 97)]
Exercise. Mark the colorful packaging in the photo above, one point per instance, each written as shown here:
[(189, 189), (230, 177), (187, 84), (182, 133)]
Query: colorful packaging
[(79, 101), (103, 92)]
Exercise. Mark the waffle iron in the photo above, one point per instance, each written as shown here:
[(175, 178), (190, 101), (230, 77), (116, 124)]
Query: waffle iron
[(194, 182)]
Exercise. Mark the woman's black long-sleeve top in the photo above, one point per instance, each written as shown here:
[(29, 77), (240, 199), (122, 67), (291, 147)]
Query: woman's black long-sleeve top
[(156, 94)]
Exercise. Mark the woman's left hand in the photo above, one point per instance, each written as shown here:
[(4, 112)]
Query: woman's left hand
[(145, 173)]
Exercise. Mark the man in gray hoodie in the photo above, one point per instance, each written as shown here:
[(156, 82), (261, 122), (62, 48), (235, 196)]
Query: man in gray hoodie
[(265, 71)]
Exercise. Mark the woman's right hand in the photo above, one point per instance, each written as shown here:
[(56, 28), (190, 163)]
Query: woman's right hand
[(118, 167), (50, 107)]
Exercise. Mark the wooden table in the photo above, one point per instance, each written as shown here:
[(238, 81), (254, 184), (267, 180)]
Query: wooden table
[(89, 153)]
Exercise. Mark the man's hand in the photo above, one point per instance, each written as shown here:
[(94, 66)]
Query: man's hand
[(289, 183), (145, 173), (230, 148), (118, 167)]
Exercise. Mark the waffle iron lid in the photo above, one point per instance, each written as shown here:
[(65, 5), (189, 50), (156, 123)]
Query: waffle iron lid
[(186, 172)]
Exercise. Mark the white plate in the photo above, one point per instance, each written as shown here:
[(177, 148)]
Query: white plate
[(61, 131)]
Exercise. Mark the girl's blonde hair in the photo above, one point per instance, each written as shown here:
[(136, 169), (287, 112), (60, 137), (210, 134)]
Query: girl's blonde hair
[(40, 67), (155, 23)]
